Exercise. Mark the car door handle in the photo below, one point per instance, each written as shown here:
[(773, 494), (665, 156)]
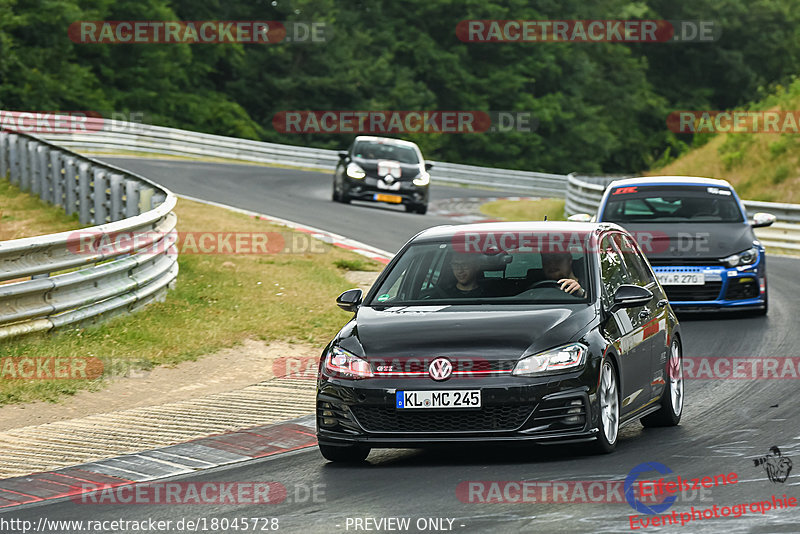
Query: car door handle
[(662, 303), (644, 314)]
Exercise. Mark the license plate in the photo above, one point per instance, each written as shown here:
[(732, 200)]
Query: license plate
[(681, 279), (393, 199), (470, 398)]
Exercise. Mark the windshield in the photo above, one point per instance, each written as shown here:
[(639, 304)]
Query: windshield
[(375, 150), (441, 273), (672, 204)]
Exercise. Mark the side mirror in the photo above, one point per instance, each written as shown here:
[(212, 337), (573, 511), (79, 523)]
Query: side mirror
[(761, 220), (428, 166), (350, 300), (343, 155), (630, 296), (580, 217)]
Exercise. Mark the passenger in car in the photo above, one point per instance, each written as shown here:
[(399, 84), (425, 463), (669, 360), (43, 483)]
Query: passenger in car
[(557, 266)]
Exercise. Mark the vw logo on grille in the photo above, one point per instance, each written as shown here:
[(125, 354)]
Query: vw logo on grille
[(389, 179), (440, 369)]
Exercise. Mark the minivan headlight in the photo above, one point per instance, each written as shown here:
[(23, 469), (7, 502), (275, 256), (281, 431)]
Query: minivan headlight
[(424, 178), (341, 364), (747, 257), (355, 171), (565, 358)]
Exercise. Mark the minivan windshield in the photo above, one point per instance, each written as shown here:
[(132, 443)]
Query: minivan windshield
[(672, 204), (376, 150), (440, 273)]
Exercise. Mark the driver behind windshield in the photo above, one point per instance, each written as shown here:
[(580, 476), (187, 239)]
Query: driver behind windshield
[(558, 267), (466, 268)]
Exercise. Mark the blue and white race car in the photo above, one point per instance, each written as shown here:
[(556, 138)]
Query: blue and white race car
[(696, 235)]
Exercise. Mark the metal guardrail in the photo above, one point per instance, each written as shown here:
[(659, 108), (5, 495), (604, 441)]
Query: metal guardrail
[(582, 193), (118, 136), (122, 263)]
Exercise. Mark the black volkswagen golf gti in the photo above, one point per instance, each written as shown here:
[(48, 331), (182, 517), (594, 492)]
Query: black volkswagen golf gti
[(548, 332)]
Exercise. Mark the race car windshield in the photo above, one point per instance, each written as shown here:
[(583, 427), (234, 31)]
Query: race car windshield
[(442, 273), (373, 150), (672, 204)]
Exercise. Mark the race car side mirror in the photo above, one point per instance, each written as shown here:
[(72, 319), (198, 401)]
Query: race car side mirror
[(350, 300), (761, 219)]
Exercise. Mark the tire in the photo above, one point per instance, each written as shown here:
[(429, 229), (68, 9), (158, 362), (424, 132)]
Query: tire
[(344, 454), (416, 208), (672, 398), (335, 195), (608, 401)]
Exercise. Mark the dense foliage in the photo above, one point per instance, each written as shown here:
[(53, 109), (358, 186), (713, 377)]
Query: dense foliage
[(600, 106)]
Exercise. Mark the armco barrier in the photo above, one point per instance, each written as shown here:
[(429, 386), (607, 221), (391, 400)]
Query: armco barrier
[(582, 193), (56, 280)]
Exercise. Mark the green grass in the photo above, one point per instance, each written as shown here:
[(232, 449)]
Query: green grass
[(24, 215), (219, 301), (525, 210)]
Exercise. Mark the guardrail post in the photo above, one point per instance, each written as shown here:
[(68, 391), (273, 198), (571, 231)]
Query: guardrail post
[(157, 199), (131, 198), (84, 198), (25, 168), (70, 187), (3, 155), (116, 198), (99, 194), (145, 197), (13, 158), (56, 178), (43, 165)]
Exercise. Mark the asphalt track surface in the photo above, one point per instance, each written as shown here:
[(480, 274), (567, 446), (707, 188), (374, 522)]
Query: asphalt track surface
[(726, 423)]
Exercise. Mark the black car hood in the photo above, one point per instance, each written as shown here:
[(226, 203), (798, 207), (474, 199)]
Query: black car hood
[(692, 240), (408, 171), (490, 332)]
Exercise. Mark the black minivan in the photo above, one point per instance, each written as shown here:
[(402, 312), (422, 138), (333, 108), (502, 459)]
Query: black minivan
[(382, 169)]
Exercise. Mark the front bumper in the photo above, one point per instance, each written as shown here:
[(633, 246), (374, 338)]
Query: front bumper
[(368, 189), (512, 409), (739, 288)]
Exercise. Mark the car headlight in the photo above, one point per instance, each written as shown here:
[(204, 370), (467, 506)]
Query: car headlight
[(341, 364), (354, 171), (748, 257), (564, 358), (424, 178)]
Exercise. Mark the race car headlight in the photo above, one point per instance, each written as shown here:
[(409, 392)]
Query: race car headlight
[(748, 257), (566, 358), (341, 364), (354, 171), (424, 178)]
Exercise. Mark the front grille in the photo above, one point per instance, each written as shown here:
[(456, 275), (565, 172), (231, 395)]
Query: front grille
[(708, 291), (742, 288), (678, 262), (491, 418), (421, 364)]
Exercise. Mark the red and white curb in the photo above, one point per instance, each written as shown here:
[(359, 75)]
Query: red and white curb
[(192, 456), (336, 240)]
